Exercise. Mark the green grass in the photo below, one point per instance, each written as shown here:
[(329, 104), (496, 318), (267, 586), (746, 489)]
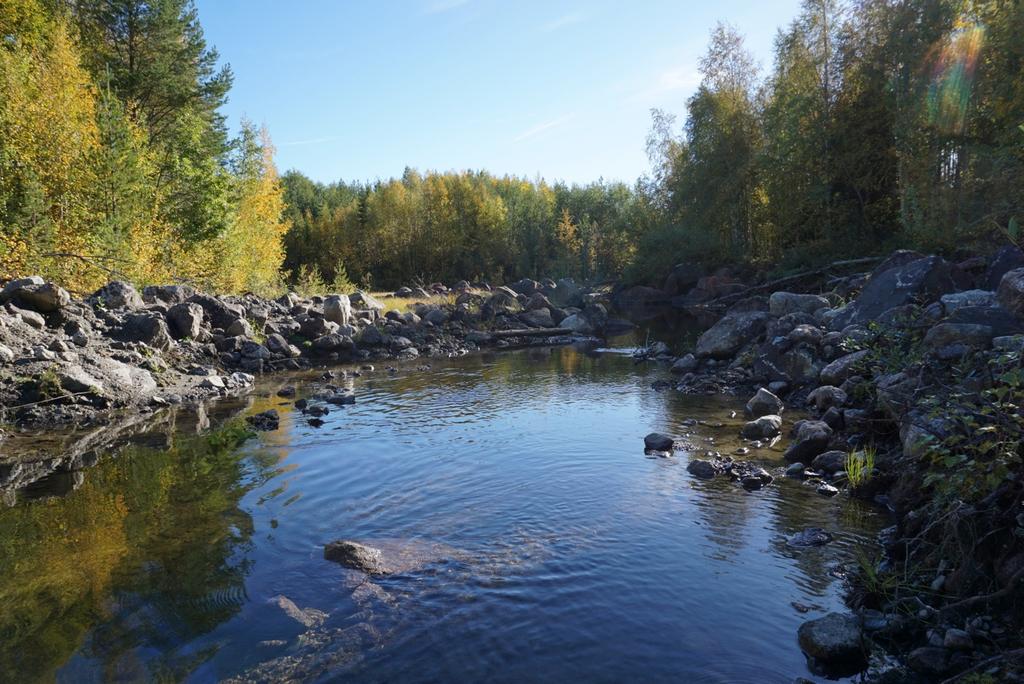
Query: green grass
[(859, 465), (403, 304)]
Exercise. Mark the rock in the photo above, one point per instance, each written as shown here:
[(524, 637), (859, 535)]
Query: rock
[(932, 661), (364, 300), (826, 489), (1007, 258), (705, 470), (438, 316), (333, 342), (501, 302), (537, 318), (829, 462), (1011, 292), (764, 403), (312, 327), (239, 328), (370, 336), (842, 368), (924, 279), (1008, 343), (403, 293), (566, 293), (834, 640), (357, 557), (996, 317), (578, 324), (526, 286), (212, 382), (219, 313), (308, 617), (150, 328), (185, 320), (641, 296), (35, 294), (968, 335), (338, 309), (834, 418), (958, 640), (958, 300), (538, 301), (826, 397), (167, 294), (731, 333), (795, 470), (782, 303), (267, 421), (6, 355), (812, 536), (32, 319), (657, 441), (764, 427), (805, 334), (684, 364), (117, 294), (812, 438)]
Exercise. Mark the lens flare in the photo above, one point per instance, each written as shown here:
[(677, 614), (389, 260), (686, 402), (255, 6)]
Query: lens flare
[(952, 77)]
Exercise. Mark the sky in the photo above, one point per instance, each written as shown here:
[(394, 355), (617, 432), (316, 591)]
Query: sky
[(359, 90)]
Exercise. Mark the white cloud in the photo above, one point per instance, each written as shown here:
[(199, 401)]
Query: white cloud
[(541, 127), (562, 22)]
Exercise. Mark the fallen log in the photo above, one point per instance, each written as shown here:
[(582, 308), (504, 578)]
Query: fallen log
[(531, 332)]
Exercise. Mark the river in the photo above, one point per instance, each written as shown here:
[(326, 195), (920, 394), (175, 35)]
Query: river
[(549, 547)]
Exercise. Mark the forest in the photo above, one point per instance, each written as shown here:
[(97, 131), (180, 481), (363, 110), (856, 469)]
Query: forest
[(880, 124)]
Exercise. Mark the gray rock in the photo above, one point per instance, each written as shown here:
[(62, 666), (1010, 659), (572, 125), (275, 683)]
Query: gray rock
[(826, 489), (969, 335), (364, 300), (309, 618), (958, 640), (730, 334), (958, 300), (1008, 343), (1007, 258), (842, 368), (370, 336), (684, 364), (1011, 292), (357, 557), (764, 403), (338, 309), (578, 324), (240, 327), (812, 438), (826, 397), (566, 293), (795, 470), (185, 320), (835, 639), (763, 428), (167, 294), (219, 313), (705, 470), (6, 355), (829, 462), (333, 342), (782, 303), (312, 327), (657, 441), (150, 328), (32, 319), (35, 294), (537, 318), (117, 294)]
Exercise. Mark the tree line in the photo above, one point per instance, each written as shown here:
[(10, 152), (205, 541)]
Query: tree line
[(115, 160), (880, 123)]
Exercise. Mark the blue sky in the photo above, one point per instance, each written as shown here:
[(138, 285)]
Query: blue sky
[(360, 90)]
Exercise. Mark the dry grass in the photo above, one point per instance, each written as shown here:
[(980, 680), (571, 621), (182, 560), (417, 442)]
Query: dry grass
[(403, 304)]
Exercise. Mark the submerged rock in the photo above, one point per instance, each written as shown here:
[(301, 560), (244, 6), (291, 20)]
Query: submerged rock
[(266, 421), (812, 536), (763, 428), (764, 403)]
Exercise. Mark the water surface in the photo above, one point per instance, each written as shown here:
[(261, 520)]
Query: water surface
[(550, 548)]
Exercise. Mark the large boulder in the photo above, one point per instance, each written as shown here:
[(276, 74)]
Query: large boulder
[(503, 301), (566, 293), (764, 403), (919, 281), (333, 343), (185, 320), (953, 340), (117, 294), (783, 303), (682, 278), (657, 441), (35, 294), (1006, 259), (526, 286), (338, 309), (578, 324), (167, 294), (219, 313), (730, 334), (366, 301), (538, 318), (958, 300), (812, 438), (150, 328), (834, 640)]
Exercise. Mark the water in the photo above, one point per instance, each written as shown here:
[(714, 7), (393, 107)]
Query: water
[(545, 545)]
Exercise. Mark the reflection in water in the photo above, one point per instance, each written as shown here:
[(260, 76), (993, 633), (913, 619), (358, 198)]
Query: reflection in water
[(536, 540)]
